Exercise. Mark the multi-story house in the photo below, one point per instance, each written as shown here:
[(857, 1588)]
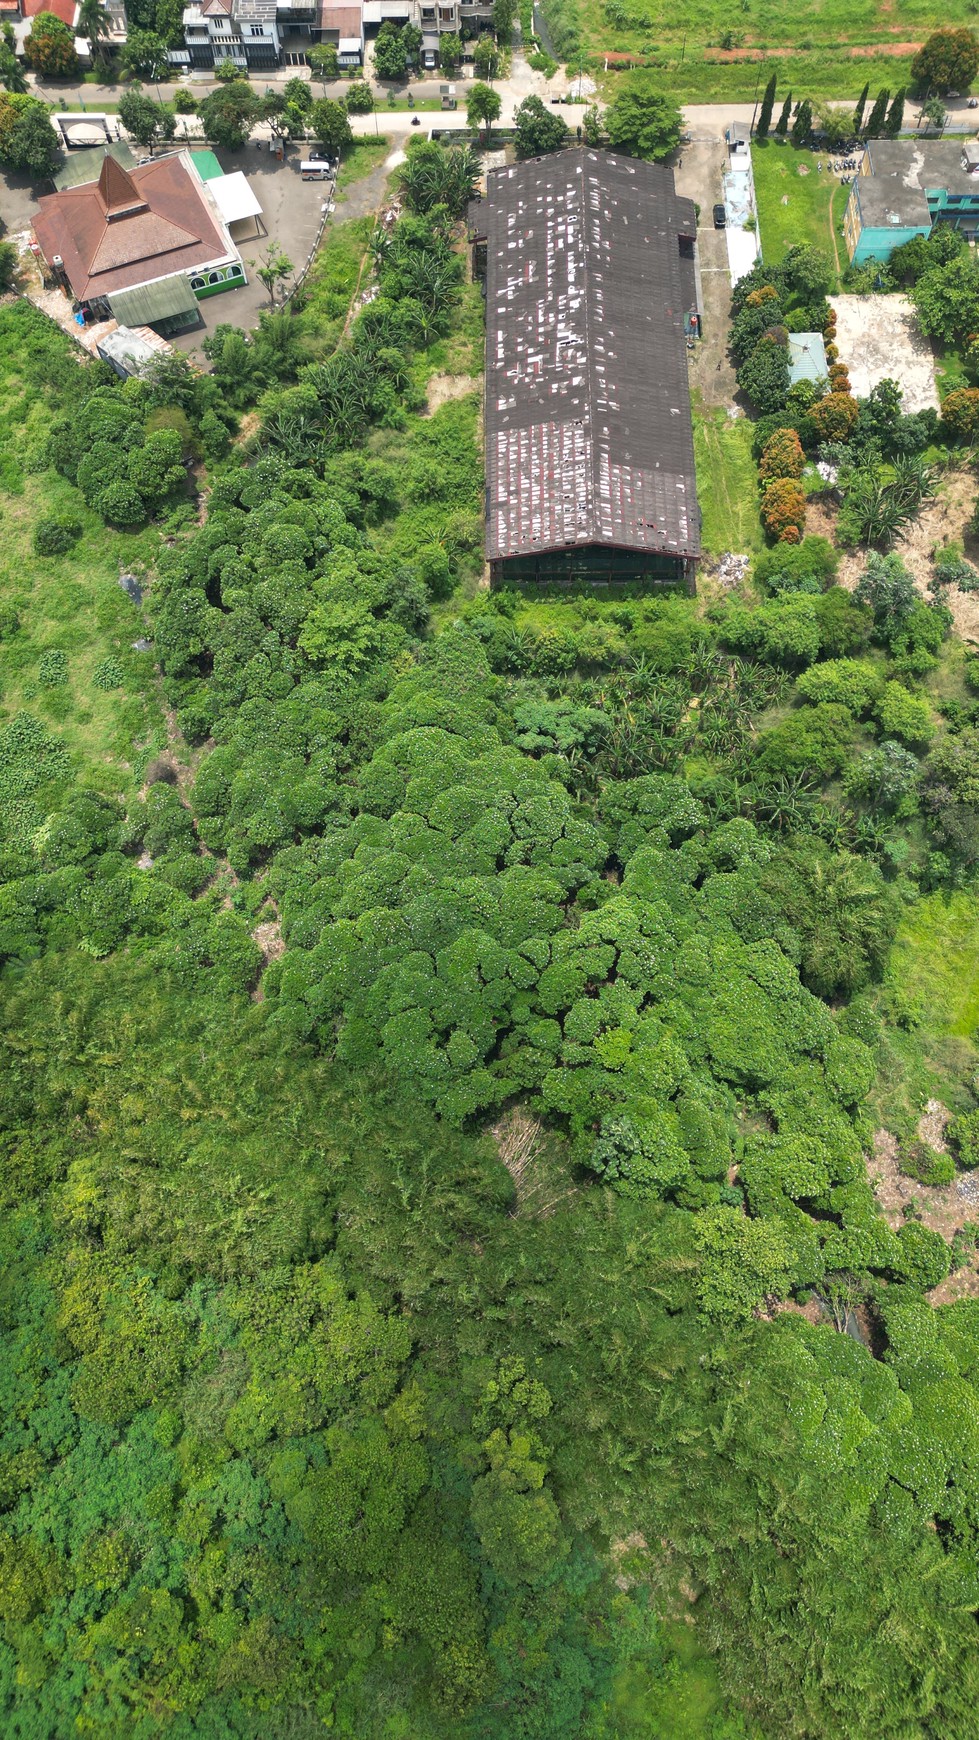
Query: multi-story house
[(243, 31), (259, 34), (464, 18)]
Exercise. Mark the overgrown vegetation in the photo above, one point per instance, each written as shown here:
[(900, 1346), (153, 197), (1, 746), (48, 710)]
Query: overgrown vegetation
[(441, 1030)]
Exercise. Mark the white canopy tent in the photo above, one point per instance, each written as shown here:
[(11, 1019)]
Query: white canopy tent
[(234, 199)]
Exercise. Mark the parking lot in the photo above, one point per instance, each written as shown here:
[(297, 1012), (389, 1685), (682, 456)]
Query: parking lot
[(291, 212)]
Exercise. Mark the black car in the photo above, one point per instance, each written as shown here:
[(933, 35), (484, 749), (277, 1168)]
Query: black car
[(320, 157), (720, 217)]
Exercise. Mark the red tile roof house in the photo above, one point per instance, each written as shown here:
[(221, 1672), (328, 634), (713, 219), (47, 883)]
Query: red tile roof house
[(155, 230)]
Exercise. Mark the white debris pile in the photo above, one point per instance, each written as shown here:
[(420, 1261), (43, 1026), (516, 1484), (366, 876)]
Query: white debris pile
[(732, 568), (581, 88)]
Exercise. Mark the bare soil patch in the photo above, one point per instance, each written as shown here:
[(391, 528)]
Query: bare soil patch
[(943, 521), (964, 1284), (442, 388), (932, 1124), (811, 1311), (269, 939), (731, 56), (945, 1208)]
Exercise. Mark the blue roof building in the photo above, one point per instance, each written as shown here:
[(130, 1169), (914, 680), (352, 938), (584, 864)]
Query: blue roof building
[(807, 357)]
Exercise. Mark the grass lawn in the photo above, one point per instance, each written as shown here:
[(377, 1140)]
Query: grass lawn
[(936, 958), (933, 974), (727, 483), (333, 279), (700, 78), (360, 158), (794, 207)]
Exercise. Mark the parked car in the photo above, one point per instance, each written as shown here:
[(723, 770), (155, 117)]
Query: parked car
[(316, 156), (720, 217)]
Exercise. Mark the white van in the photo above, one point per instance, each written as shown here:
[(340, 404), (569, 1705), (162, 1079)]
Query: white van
[(315, 171)]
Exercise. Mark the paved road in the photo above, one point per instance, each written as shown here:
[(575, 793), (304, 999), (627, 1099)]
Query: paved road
[(707, 118)]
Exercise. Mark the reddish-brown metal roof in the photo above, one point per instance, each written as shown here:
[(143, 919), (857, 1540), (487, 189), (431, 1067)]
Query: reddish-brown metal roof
[(347, 20), (63, 9), (129, 227), (589, 437)]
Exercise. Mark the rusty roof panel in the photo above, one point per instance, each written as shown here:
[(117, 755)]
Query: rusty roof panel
[(588, 429)]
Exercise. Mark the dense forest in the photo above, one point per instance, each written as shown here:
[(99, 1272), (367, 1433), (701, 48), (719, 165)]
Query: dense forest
[(443, 1032)]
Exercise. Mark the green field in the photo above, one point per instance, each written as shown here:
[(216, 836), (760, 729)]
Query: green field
[(708, 53), (727, 483), (797, 202), (935, 959)]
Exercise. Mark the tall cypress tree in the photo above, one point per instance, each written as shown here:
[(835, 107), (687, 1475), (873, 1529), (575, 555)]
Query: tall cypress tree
[(782, 124), (895, 118), (875, 126), (858, 111), (767, 105), (802, 127)]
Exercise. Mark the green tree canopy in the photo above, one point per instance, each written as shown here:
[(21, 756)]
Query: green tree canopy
[(643, 122)]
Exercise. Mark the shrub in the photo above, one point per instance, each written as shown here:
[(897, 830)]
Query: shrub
[(835, 417), (924, 1259), (52, 537), (783, 510), (806, 567), (764, 374), (108, 674), (185, 103), (782, 456), (832, 353), (902, 715), (952, 569), (925, 1164), (360, 98), (853, 683), (52, 671), (960, 413), (121, 505), (963, 1133)]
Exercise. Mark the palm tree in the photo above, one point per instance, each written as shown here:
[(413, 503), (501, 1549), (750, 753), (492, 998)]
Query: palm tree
[(94, 23)]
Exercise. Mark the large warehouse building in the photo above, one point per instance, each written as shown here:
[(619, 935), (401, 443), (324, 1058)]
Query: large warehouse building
[(590, 298)]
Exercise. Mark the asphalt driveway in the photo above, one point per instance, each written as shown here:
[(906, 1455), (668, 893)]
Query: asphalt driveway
[(291, 212)]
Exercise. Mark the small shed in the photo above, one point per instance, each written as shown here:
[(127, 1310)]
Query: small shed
[(738, 137), (807, 357), (970, 155)]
